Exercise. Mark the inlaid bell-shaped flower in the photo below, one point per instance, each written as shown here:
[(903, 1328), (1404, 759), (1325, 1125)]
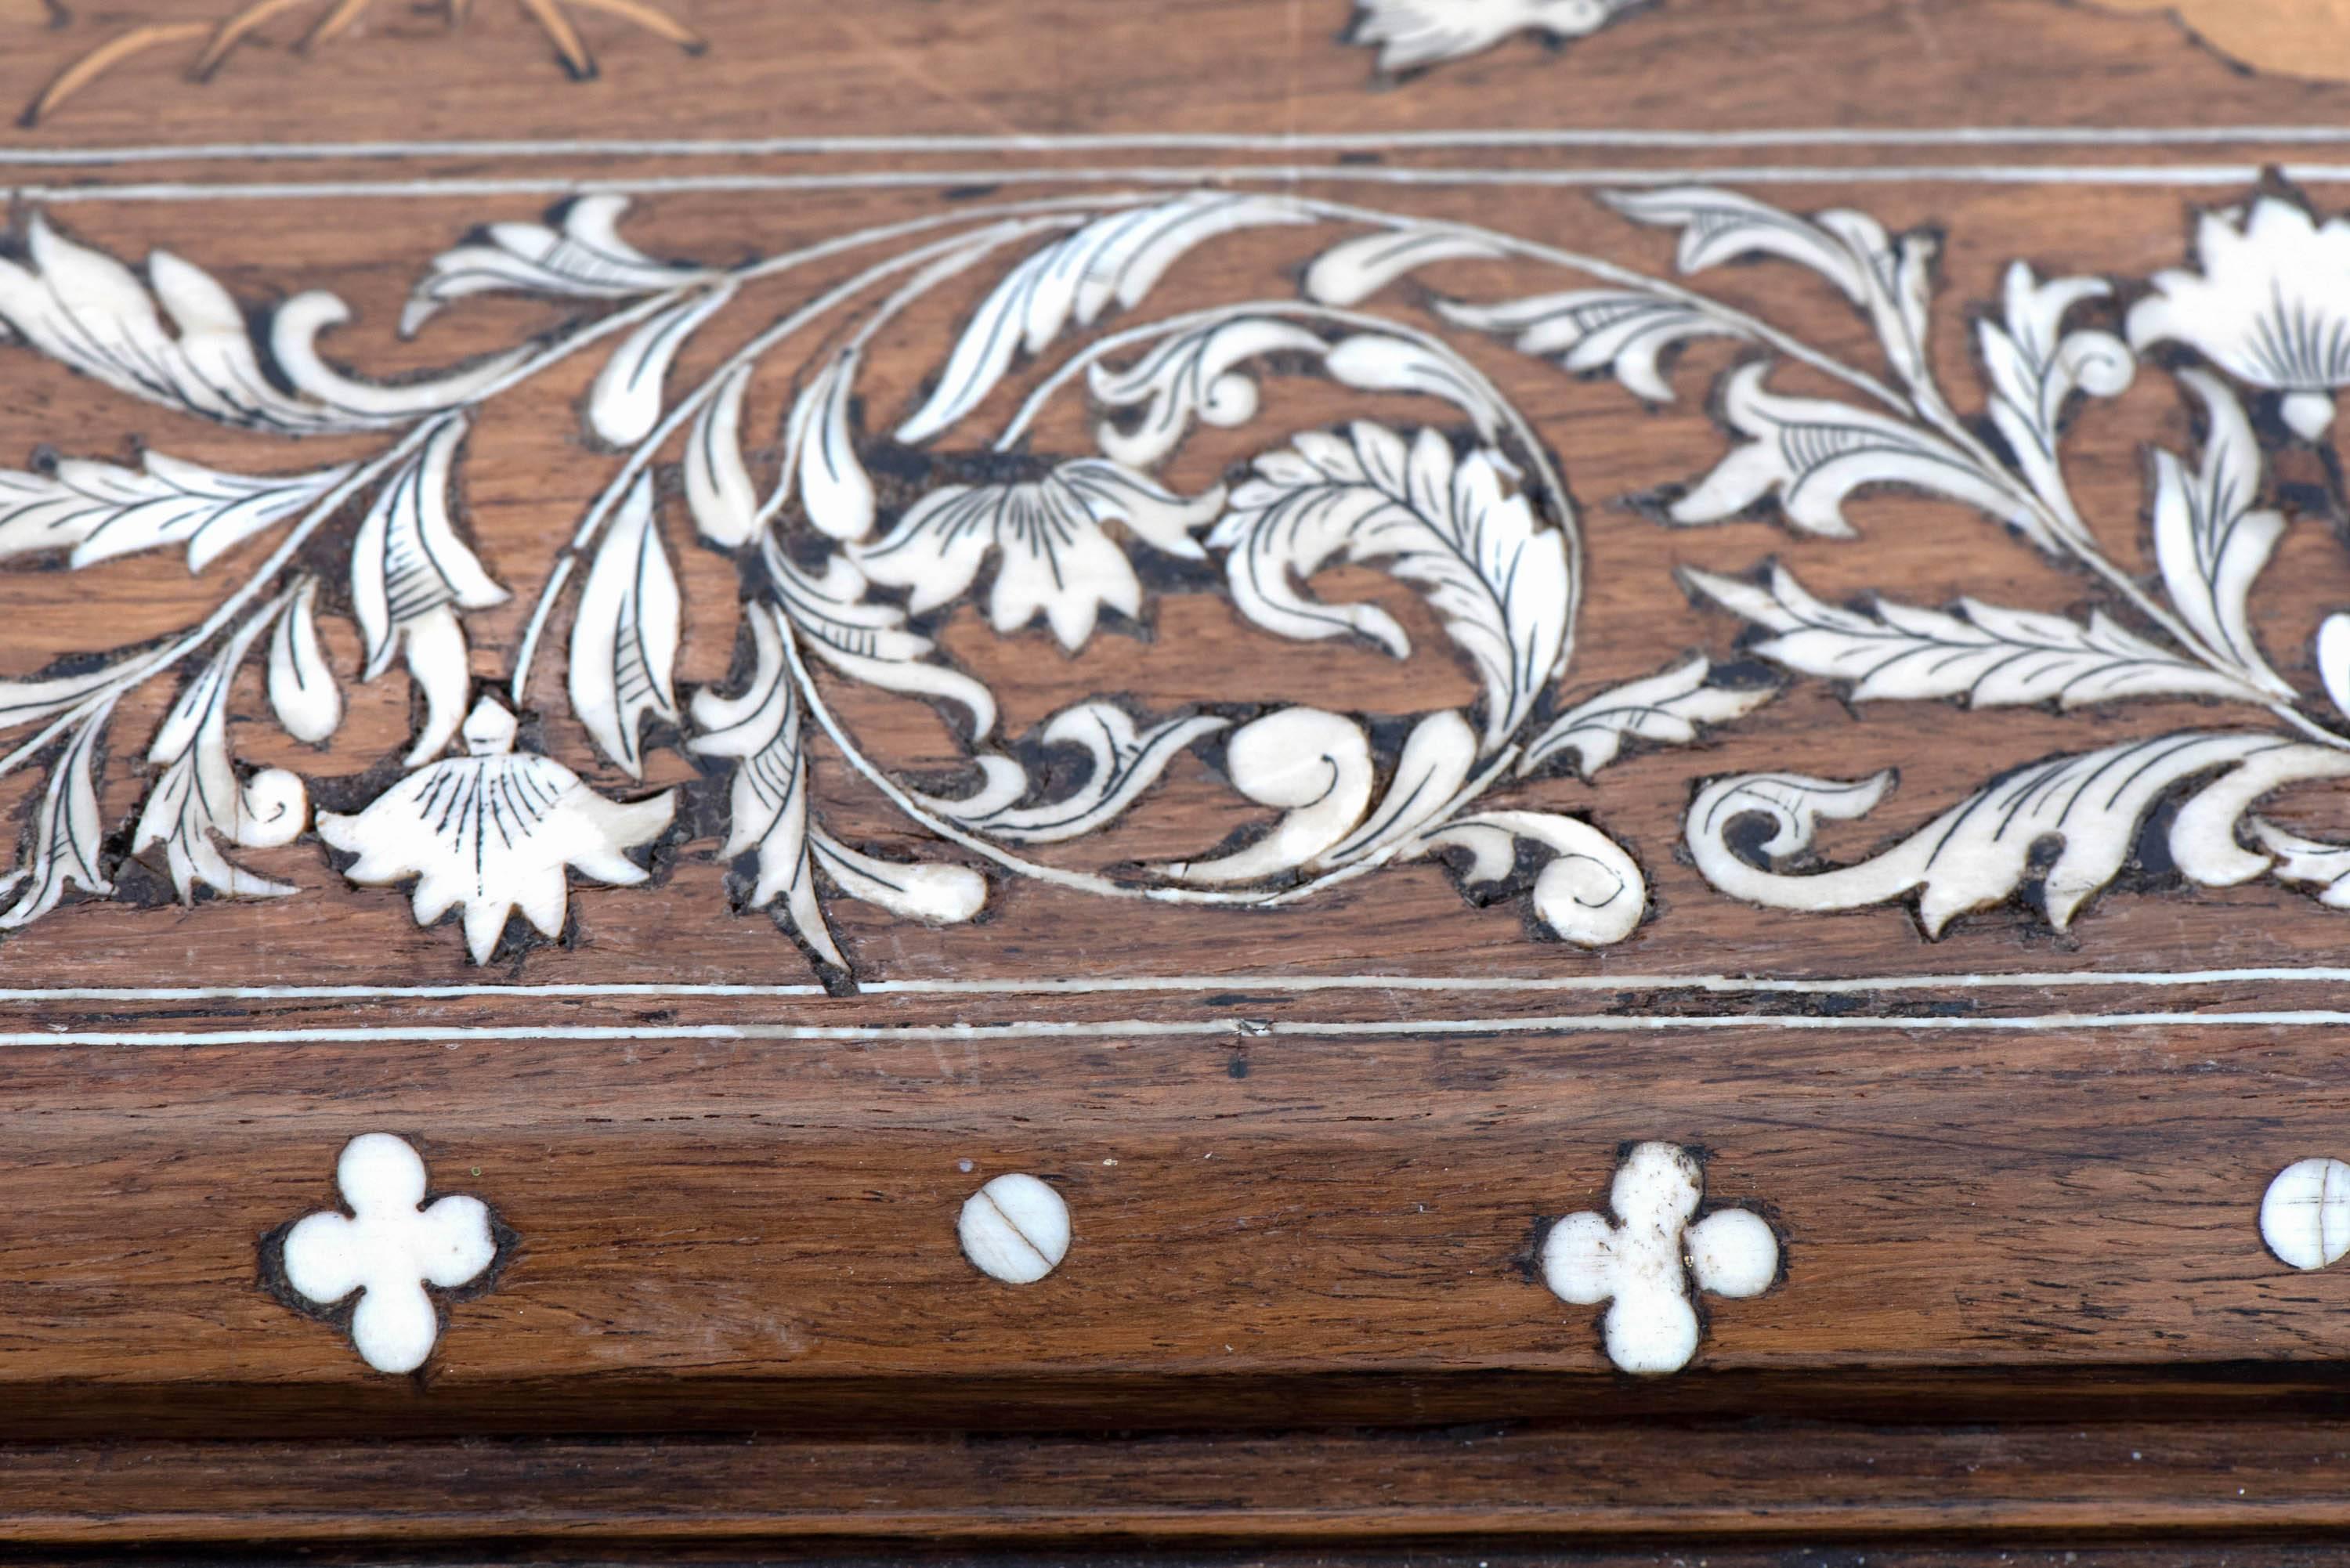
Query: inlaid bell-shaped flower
[(2271, 306), (1053, 559), (493, 831)]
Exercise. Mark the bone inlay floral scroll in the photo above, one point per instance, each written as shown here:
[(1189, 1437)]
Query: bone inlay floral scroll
[(878, 523)]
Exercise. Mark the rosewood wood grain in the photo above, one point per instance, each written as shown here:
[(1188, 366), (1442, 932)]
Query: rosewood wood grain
[(1197, 1190), (2013, 1168), (1677, 1483)]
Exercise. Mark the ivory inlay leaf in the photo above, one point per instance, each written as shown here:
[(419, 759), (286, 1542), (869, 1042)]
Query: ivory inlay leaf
[(867, 545), (97, 511), (1414, 33), (199, 796), (1453, 526), (624, 640)]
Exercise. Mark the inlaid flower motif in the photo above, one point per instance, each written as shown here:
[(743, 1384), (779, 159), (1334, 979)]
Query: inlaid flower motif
[(1643, 1258), (388, 1248), (2271, 306), (1053, 557), (493, 831)]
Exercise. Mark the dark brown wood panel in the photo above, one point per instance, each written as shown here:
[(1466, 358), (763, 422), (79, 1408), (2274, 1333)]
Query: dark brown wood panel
[(725, 1216), (1313, 1140), (1673, 1483)]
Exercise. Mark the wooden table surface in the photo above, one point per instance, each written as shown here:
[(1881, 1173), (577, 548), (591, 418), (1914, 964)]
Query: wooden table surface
[(1612, 734)]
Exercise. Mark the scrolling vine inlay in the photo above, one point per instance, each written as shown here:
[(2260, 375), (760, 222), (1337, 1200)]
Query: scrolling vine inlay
[(855, 546)]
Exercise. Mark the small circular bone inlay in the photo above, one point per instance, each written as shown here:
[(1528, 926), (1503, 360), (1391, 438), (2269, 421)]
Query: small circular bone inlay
[(1015, 1229), (2306, 1217)]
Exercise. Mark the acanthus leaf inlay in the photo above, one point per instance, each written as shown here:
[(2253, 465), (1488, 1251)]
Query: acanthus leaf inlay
[(851, 576)]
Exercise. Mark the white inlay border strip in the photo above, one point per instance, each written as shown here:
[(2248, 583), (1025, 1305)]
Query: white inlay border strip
[(1558, 139), (1733, 984), (2191, 176), (1152, 1028)]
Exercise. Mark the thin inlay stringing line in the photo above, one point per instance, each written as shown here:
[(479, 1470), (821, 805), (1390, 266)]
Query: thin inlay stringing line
[(1556, 139), (2191, 175), (1131, 984), (1149, 1028)]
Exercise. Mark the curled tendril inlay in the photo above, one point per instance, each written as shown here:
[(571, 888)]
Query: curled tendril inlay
[(855, 546)]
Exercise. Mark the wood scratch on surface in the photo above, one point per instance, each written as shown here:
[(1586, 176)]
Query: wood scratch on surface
[(88, 68), (1921, 22), (912, 70), (1297, 69)]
